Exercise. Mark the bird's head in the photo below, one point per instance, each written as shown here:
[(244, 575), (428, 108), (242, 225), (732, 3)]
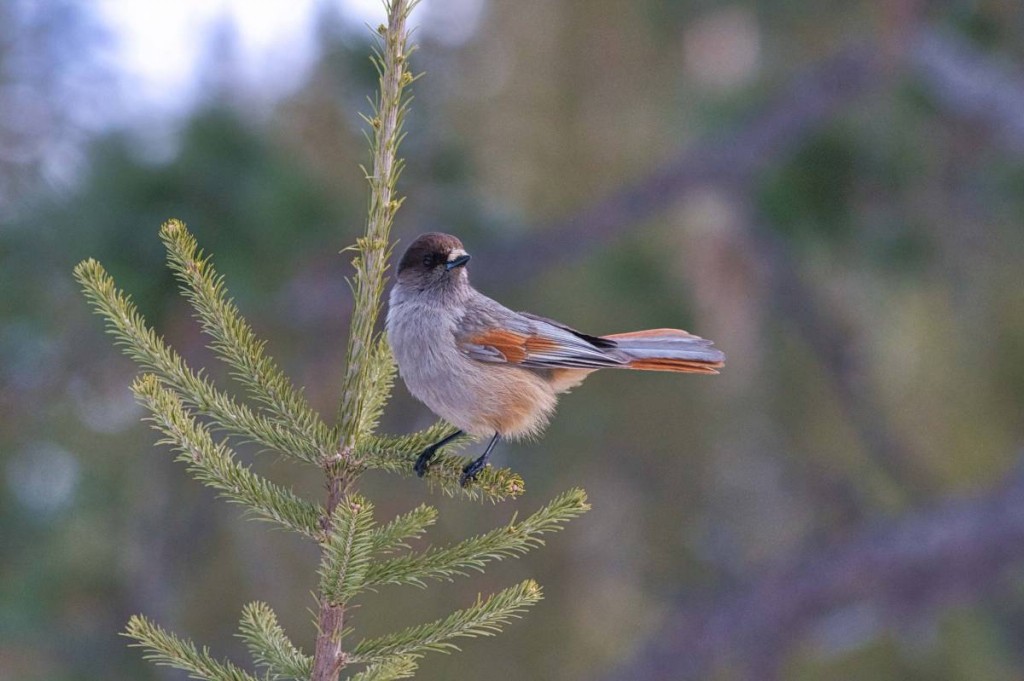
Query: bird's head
[(433, 260)]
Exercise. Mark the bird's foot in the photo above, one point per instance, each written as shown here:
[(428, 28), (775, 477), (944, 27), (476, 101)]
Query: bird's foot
[(470, 471), (423, 460), (477, 465)]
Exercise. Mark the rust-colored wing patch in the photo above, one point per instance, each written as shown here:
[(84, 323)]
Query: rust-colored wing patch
[(513, 346), (540, 344)]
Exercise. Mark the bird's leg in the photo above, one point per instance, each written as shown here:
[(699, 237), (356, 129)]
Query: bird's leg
[(471, 469), (423, 461)]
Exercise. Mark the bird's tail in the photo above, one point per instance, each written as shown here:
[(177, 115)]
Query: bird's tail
[(668, 350)]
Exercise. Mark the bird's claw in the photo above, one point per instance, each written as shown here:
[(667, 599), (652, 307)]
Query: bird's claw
[(470, 471), (423, 461)]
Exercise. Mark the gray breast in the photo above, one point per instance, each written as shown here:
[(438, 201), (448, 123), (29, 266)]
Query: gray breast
[(422, 339)]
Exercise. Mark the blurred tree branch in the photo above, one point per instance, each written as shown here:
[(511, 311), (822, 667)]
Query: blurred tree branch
[(970, 84), (963, 82), (832, 341), (810, 101), (955, 551)]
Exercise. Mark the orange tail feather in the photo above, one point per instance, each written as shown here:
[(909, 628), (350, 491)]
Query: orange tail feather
[(678, 365)]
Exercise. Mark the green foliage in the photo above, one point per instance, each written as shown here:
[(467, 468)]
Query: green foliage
[(349, 536), (347, 551), (235, 341), (386, 120), (164, 648), (269, 645), (214, 464), (809, 197), (380, 379), (144, 346), (357, 554), (392, 537), (394, 667), (512, 540), (484, 618)]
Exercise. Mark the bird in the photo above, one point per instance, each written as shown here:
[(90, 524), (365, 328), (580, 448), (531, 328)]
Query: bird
[(492, 372)]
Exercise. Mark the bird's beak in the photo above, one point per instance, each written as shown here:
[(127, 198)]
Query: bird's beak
[(457, 258)]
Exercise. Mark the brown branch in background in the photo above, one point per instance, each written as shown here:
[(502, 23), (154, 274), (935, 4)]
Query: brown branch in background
[(963, 81), (812, 99), (832, 341), (969, 84), (955, 552)]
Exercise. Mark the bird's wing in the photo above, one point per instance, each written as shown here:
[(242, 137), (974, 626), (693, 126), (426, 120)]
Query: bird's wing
[(533, 342)]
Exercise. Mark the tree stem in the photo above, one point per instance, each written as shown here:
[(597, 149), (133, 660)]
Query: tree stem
[(328, 657), (373, 247)]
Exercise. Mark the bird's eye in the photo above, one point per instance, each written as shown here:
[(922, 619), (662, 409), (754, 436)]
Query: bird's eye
[(428, 261)]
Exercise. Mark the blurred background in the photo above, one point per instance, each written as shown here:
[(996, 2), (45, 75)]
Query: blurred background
[(831, 191)]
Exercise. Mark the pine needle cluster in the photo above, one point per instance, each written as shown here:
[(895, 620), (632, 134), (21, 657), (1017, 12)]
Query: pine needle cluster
[(202, 423)]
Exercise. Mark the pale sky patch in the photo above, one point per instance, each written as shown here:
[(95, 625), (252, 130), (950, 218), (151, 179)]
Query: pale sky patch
[(159, 46)]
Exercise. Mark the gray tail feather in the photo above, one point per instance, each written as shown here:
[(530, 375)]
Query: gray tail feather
[(668, 350)]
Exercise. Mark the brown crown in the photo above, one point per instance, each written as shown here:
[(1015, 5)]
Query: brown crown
[(435, 244)]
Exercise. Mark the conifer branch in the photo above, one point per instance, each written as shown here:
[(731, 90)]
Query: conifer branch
[(347, 551), (492, 484), (393, 536), (270, 646), (406, 447), (388, 669), (143, 345), (484, 618), (386, 121), (164, 648), (512, 540), (380, 379), (397, 455), (234, 340), (214, 465)]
